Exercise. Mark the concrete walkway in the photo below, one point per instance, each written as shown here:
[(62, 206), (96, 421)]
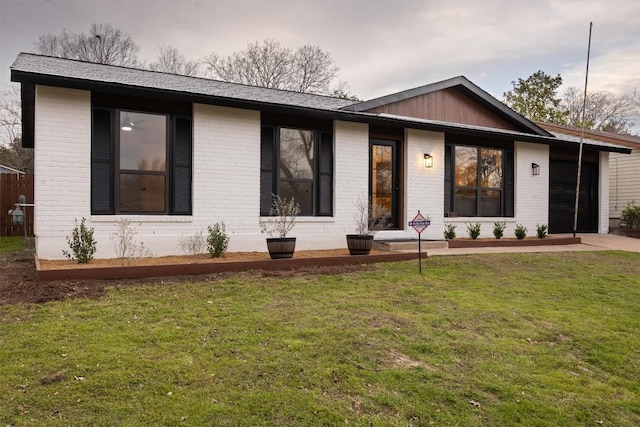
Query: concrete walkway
[(590, 242)]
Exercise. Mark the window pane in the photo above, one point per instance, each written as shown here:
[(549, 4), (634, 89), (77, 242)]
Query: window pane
[(142, 193), (296, 153), (302, 191), (143, 141), (466, 166), (491, 168), (382, 171), (490, 203), (464, 202)]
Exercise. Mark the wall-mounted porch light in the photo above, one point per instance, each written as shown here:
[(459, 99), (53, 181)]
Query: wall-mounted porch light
[(428, 160), (535, 169)]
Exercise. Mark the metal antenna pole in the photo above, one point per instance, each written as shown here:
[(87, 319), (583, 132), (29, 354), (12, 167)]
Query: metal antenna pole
[(584, 107)]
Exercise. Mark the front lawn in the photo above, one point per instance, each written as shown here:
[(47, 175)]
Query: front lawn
[(491, 340)]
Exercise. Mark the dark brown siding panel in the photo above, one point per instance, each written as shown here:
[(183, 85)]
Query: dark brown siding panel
[(448, 105)]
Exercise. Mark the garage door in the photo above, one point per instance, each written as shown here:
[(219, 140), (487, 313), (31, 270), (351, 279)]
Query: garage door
[(562, 190)]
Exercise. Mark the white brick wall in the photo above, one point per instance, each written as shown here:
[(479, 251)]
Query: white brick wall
[(531, 191), (226, 182), (62, 165), (424, 187)]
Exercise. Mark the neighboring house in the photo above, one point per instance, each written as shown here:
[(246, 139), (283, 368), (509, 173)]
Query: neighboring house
[(624, 169), (174, 154), (7, 169)]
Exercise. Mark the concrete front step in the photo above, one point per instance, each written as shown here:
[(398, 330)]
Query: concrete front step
[(408, 244)]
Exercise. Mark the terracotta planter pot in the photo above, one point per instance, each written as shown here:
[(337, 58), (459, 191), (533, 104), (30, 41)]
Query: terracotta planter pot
[(281, 247), (359, 244)]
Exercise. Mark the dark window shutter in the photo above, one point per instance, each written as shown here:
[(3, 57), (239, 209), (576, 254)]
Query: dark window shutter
[(267, 173), (182, 160), (448, 178), (28, 102), (325, 174), (102, 142), (508, 183)]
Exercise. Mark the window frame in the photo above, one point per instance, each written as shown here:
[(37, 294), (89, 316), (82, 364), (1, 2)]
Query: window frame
[(105, 153), (315, 171), (507, 176), (323, 168), (118, 171)]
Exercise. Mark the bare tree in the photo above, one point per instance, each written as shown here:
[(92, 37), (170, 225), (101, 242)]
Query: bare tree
[(604, 110), (341, 90), (12, 153), (269, 64), (103, 44), (313, 70), (10, 115), (171, 60)]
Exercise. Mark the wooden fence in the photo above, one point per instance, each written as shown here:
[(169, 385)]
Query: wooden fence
[(11, 187)]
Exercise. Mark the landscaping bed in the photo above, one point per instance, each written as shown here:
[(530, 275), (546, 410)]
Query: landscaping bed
[(513, 242), (101, 269)]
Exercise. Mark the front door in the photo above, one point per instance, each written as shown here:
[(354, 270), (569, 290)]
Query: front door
[(384, 185)]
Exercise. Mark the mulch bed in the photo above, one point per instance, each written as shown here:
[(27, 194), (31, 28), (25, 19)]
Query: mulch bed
[(181, 266)]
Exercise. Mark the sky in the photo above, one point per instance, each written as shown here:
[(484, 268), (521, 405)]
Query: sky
[(380, 46)]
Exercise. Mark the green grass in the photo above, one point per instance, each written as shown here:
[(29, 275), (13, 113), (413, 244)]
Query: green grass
[(491, 340), (11, 244)]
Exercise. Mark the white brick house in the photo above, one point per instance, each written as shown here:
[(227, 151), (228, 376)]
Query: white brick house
[(174, 154)]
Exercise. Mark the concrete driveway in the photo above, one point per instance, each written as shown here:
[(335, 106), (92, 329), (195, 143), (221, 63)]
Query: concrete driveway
[(590, 242)]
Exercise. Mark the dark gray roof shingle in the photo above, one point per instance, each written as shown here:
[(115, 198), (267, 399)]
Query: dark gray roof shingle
[(91, 72)]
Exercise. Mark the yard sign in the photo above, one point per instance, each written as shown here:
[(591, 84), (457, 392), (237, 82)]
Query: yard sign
[(419, 223)]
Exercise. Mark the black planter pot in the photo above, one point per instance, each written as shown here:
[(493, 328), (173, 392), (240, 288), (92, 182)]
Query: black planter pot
[(359, 244), (281, 247)]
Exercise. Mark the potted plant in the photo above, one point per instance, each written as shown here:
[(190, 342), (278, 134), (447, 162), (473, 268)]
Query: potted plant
[(282, 220), (369, 221)]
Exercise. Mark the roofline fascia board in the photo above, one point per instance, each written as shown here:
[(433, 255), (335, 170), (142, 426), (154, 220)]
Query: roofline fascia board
[(334, 114), (607, 137)]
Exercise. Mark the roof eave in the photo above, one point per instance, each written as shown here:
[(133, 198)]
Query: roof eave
[(334, 114)]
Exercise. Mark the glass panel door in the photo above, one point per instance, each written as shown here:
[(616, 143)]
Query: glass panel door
[(383, 182)]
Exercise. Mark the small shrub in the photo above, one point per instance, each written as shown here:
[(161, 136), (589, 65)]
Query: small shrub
[(630, 216), (125, 244), (81, 242), (193, 245), (498, 229), (370, 219), (283, 214), (473, 230), (521, 231), (541, 230), (450, 231), (218, 240)]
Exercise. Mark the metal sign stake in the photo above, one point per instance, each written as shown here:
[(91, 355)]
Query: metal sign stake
[(419, 223)]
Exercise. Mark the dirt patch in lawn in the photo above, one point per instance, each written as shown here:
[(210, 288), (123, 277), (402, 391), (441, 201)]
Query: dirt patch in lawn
[(18, 275)]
